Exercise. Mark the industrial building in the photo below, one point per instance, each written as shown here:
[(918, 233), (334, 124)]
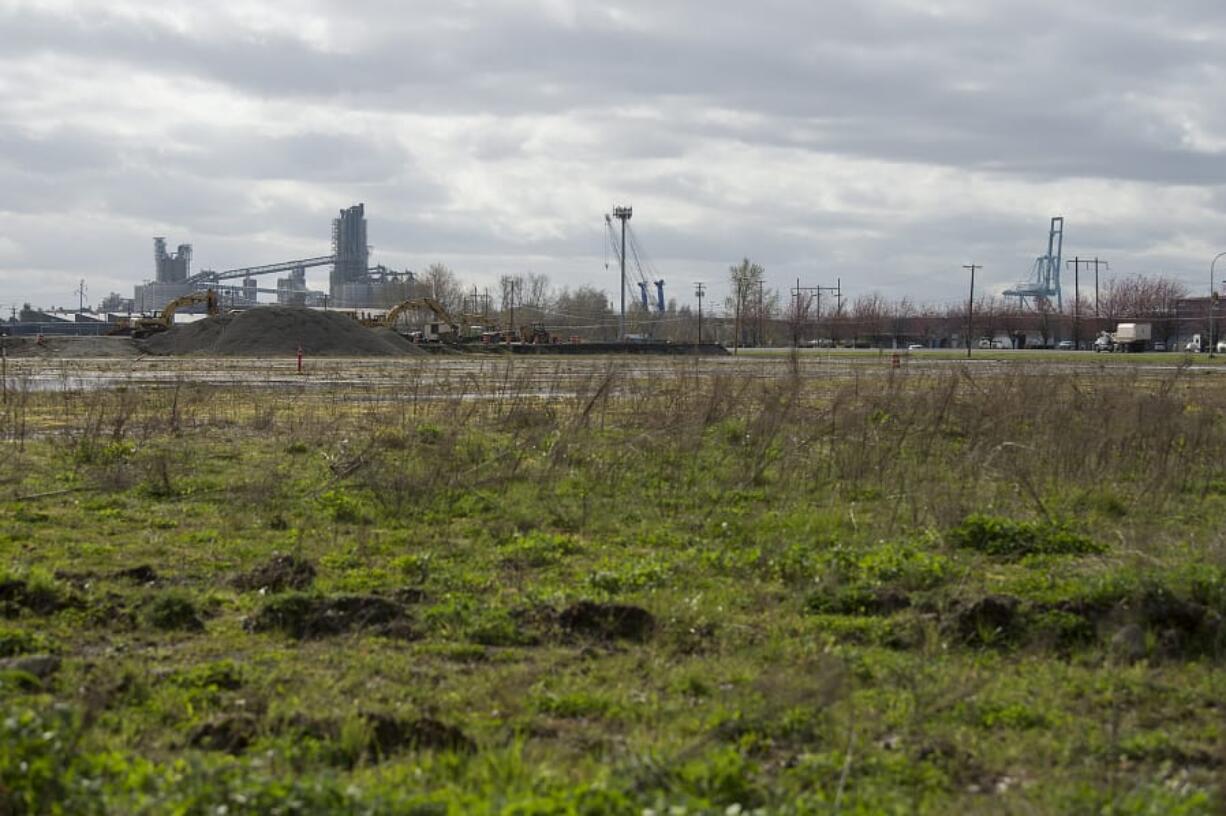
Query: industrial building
[(352, 284), (170, 277)]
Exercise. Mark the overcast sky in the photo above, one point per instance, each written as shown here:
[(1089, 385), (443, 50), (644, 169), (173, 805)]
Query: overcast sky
[(886, 142)]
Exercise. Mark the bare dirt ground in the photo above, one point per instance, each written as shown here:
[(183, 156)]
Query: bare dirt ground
[(56, 348)]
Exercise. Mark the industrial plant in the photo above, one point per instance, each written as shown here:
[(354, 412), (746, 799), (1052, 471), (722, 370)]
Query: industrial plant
[(352, 283)]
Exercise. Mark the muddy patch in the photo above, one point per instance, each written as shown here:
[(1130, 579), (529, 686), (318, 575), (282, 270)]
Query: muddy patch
[(142, 574), (607, 621), (281, 573), (389, 736), (17, 596), (989, 621), (312, 616)]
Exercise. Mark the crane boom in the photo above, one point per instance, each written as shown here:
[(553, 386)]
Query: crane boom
[(638, 260)]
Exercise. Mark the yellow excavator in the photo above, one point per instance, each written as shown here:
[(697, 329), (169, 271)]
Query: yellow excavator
[(443, 328), (145, 326)]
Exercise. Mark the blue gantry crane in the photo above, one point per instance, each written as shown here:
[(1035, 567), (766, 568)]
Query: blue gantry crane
[(1044, 284)]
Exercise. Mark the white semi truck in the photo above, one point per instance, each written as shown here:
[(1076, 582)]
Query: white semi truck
[(1126, 337)]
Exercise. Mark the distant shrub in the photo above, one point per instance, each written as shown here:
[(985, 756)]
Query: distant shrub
[(1011, 716), (342, 508), (173, 610), (575, 705), (993, 535), (17, 642), (224, 674)]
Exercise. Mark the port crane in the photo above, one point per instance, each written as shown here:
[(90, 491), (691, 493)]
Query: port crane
[(644, 271)]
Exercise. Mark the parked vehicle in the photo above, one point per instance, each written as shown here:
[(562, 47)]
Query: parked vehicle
[(1158, 346), (915, 347), (1200, 343), (1126, 337), (1065, 345)]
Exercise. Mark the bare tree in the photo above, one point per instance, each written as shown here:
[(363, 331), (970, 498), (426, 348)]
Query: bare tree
[(901, 318), (585, 312), (440, 283), (870, 318), (747, 300), (1153, 299)]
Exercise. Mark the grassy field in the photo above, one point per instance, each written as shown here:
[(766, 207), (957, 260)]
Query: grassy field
[(1020, 356), (774, 586)]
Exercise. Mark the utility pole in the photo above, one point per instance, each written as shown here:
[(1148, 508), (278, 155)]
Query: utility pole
[(623, 214), (1212, 303), (837, 300), (1107, 266), (1076, 264), (760, 322), (737, 317), (81, 294), (700, 288), (512, 285), (970, 309), (802, 296)]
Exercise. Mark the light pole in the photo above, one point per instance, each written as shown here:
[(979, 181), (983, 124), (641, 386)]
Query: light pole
[(700, 289), (1212, 294), (970, 309), (623, 214)]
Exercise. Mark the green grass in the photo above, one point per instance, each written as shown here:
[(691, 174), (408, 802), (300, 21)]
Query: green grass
[(992, 593)]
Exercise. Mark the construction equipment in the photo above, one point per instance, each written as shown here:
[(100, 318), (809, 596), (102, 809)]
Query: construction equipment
[(444, 328), (537, 335), (145, 326)]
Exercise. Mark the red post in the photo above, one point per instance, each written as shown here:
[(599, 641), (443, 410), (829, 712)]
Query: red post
[(895, 360), (299, 359)]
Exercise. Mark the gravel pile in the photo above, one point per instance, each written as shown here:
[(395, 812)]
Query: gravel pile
[(272, 331)]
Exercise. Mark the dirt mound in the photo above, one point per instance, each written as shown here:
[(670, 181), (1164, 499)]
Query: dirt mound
[(385, 735), (607, 621), (305, 616), (389, 735), (278, 574), (16, 595), (278, 331), (989, 620), (143, 574)]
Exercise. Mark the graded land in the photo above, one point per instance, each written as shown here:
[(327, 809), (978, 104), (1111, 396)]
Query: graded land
[(810, 584)]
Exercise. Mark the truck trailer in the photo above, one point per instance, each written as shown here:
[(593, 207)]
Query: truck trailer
[(1126, 337)]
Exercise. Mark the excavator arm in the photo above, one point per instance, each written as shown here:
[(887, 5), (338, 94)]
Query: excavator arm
[(433, 305), (208, 298)]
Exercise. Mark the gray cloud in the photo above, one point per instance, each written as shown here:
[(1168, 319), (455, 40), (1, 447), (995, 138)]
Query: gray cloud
[(882, 141)]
